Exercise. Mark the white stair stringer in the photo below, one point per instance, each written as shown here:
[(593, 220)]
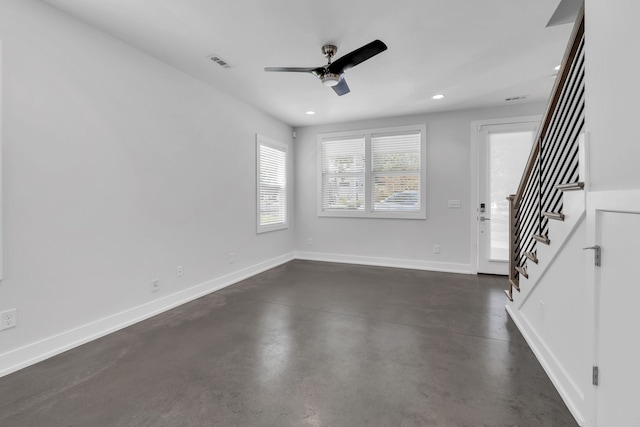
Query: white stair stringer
[(554, 287), (574, 209)]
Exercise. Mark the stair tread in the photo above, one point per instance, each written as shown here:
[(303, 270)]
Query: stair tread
[(570, 186), (515, 283), (558, 216), (522, 271), (508, 293), (532, 256), (542, 239)]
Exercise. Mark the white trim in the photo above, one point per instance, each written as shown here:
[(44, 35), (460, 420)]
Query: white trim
[(271, 143), (476, 128), (549, 363), (385, 262), (30, 354), (33, 353), (368, 212)]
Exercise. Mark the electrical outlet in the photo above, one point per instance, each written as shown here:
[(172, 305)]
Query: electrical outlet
[(310, 241), (436, 249), (232, 257), (9, 319), (155, 285), (179, 271)]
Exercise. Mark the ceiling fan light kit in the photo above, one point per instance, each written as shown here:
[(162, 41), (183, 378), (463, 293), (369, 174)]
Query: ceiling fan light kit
[(330, 79), (331, 74)]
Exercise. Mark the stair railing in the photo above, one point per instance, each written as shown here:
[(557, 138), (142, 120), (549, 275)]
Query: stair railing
[(552, 163)]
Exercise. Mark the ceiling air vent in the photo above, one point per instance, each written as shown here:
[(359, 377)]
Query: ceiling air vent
[(516, 98), (221, 62)]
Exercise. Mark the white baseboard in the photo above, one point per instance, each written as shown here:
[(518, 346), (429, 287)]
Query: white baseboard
[(386, 262), (38, 351), (22, 357), (555, 371)]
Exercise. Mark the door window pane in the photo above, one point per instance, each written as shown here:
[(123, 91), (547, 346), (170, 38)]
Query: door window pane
[(508, 154)]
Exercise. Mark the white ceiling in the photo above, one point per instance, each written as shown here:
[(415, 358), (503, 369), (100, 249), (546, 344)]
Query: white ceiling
[(475, 52)]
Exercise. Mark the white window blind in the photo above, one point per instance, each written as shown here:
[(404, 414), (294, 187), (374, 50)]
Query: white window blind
[(272, 185), (395, 167), (376, 173), (343, 174)]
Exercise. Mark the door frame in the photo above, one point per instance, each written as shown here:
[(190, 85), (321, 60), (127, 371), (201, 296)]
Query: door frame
[(476, 128), (620, 201)]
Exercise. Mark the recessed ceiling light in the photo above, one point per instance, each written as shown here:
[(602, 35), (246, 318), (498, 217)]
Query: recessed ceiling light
[(557, 68), (311, 113), (439, 96)]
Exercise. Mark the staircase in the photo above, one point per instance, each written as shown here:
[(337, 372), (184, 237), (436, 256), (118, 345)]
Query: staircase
[(550, 191)]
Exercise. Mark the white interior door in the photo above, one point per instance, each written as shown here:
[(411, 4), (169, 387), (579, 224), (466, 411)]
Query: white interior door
[(502, 155), (618, 318)]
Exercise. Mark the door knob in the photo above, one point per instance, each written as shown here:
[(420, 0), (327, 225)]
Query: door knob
[(484, 218)]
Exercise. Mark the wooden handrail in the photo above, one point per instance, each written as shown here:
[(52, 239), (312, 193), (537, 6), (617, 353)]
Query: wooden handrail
[(570, 53), (517, 242)]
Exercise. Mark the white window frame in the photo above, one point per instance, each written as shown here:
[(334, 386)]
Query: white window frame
[(368, 212), (262, 140)]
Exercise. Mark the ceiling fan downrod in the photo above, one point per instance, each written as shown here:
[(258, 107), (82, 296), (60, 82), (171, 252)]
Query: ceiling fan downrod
[(329, 51)]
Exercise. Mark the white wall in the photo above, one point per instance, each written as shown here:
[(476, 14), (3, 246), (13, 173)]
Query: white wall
[(550, 310), (612, 93), (395, 242), (117, 168)]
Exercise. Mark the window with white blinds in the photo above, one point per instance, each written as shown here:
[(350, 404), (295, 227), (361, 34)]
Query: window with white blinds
[(343, 174), (271, 184), (373, 173), (395, 177)]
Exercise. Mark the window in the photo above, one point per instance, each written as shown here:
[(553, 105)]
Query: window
[(377, 173), (271, 184), (343, 174)]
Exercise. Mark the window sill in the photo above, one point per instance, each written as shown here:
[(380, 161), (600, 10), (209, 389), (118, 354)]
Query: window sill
[(373, 215)]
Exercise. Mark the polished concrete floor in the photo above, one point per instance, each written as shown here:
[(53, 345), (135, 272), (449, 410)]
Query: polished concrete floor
[(304, 344)]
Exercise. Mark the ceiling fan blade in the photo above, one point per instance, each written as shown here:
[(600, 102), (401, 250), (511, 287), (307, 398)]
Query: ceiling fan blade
[(317, 71), (341, 88), (359, 55)]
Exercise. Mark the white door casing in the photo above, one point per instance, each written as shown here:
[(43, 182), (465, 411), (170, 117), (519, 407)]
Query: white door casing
[(501, 151)]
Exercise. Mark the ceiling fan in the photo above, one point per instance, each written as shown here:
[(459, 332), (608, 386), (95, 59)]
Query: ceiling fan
[(332, 74)]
